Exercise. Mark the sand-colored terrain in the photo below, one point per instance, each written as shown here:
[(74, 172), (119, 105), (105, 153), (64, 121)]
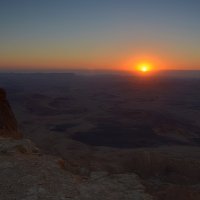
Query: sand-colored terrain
[(115, 125)]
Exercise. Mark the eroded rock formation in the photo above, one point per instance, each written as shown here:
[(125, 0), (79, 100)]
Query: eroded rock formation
[(8, 123)]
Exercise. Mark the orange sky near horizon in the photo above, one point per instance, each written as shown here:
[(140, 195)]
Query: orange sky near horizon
[(99, 35), (97, 62)]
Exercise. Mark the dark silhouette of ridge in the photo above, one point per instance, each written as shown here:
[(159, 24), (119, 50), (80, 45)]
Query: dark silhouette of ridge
[(8, 122)]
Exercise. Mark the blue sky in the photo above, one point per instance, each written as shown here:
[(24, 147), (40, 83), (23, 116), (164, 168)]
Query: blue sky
[(98, 34)]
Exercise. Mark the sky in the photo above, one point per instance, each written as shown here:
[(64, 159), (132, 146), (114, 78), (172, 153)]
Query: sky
[(99, 34)]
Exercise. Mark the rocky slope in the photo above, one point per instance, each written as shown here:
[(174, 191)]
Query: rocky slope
[(27, 175), (8, 123), (92, 173)]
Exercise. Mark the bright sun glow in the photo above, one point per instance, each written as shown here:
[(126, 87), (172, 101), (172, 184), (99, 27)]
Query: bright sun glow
[(144, 67)]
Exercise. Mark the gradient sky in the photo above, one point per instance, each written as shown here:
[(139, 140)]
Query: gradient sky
[(99, 34)]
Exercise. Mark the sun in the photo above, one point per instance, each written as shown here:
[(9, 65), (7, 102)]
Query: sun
[(144, 67)]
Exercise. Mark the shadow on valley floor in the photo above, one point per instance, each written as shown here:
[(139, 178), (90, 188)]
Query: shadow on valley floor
[(139, 128)]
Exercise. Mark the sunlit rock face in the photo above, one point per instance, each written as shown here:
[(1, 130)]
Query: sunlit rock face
[(8, 123)]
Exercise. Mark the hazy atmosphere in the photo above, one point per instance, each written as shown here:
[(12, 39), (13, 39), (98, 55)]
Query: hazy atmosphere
[(93, 34), (99, 100)]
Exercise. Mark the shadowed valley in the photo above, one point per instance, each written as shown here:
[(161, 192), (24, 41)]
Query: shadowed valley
[(112, 128)]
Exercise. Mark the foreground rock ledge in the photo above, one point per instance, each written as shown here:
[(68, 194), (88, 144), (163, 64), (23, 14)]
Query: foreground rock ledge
[(27, 175)]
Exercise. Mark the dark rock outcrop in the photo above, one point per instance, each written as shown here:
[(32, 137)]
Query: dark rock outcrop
[(8, 123)]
